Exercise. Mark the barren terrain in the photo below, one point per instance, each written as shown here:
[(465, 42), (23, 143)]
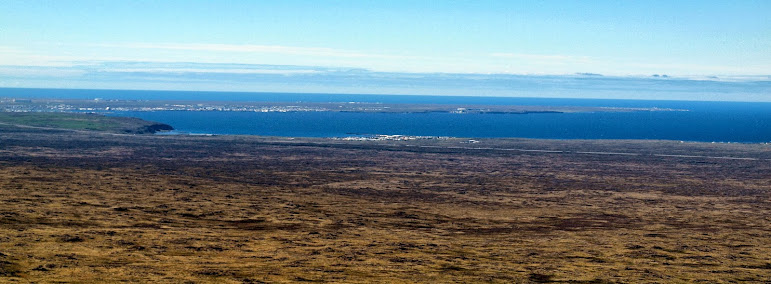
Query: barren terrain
[(98, 207)]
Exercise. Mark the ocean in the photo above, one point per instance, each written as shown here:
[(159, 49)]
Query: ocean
[(744, 122)]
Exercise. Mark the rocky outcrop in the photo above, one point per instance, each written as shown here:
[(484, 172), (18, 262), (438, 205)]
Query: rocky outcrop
[(151, 128)]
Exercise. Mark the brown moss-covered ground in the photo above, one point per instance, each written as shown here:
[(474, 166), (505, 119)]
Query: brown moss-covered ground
[(78, 207)]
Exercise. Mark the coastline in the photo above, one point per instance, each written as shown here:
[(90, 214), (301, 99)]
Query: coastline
[(679, 121)]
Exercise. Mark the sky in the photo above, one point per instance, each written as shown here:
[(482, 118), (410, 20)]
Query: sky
[(44, 40)]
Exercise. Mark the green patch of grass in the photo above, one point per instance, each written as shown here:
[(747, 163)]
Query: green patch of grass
[(80, 121)]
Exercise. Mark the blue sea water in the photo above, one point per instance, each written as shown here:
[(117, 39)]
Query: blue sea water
[(704, 121)]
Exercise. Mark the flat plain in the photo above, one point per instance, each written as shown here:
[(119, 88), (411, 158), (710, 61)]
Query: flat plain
[(90, 207)]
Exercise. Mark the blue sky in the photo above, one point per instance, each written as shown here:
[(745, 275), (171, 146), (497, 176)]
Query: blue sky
[(617, 38)]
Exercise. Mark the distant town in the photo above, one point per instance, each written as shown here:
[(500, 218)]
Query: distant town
[(383, 137), (100, 105)]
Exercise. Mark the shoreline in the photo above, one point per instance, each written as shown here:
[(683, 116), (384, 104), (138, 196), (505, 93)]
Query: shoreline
[(635, 122), (396, 137)]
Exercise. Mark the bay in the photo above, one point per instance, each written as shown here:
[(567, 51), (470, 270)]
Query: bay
[(746, 122), (721, 122)]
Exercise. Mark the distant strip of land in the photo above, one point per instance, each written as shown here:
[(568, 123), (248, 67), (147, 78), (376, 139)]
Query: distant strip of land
[(63, 105)]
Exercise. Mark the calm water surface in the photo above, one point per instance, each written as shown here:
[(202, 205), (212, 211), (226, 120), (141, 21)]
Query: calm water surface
[(704, 121), (721, 122)]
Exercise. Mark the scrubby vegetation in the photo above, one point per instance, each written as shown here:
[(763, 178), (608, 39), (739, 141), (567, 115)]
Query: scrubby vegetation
[(79, 207)]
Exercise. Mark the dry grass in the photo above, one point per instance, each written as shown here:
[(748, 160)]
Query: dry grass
[(248, 210)]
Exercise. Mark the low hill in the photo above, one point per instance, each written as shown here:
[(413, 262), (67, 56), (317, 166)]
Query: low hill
[(82, 121)]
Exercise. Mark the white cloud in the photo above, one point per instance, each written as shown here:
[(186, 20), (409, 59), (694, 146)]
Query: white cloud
[(543, 57), (40, 71), (69, 55), (251, 48), (688, 69), (210, 70), (10, 56), (8, 49)]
